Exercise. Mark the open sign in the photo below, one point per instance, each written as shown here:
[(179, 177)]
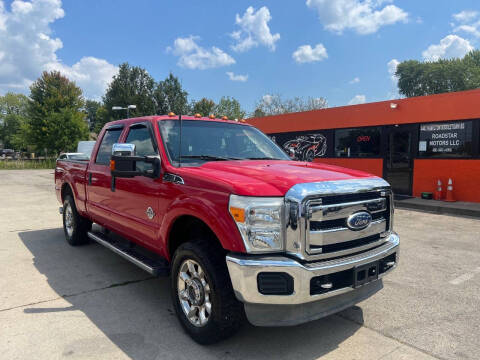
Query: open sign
[(363, 138)]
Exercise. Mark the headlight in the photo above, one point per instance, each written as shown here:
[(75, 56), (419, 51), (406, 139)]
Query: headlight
[(259, 221)]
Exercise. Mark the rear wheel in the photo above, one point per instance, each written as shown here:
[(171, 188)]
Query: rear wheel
[(75, 226), (202, 293)]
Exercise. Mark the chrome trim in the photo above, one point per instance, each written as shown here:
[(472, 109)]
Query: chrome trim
[(123, 149), (343, 210), (319, 255), (343, 234), (301, 197), (300, 192), (123, 254), (173, 178), (244, 270)]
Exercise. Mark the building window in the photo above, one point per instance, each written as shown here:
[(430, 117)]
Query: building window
[(447, 139), (360, 142)]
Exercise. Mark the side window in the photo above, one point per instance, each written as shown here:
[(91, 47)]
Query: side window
[(105, 150), (140, 136)]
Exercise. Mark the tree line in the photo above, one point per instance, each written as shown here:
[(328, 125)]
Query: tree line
[(55, 115), (417, 78)]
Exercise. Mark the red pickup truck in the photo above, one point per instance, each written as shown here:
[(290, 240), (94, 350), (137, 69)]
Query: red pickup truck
[(240, 227)]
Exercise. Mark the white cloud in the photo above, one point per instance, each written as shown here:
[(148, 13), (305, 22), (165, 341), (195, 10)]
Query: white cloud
[(306, 53), (470, 23), (358, 99), (267, 99), (91, 74), (465, 16), (364, 17), (254, 30), (392, 68), (27, 48), (355, 80), (237, 77), (473, 29), (451, 46), (193, 56)]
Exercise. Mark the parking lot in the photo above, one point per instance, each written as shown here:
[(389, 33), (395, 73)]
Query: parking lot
[(58, 301)]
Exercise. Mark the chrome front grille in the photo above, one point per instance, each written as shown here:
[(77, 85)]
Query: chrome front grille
[(316, 213), (327, 234)]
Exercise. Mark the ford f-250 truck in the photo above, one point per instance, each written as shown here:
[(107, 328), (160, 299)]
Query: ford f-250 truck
[(240, 227)]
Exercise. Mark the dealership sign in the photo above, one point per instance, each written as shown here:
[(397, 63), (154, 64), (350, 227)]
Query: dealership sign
[(444, 138)]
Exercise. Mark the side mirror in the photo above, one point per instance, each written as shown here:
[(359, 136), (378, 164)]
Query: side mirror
[(123, 149), (125, 164)]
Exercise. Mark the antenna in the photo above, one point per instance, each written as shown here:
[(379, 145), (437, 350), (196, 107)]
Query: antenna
[(180, 142)]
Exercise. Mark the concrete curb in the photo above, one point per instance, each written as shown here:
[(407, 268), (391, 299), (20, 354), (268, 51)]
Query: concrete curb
[(440, 207)]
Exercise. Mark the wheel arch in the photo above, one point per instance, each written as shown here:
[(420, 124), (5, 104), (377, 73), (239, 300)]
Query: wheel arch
[(67, 190), (185, 228)]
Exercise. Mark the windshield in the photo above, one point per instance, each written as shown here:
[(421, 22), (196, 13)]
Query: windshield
[(215, 141)]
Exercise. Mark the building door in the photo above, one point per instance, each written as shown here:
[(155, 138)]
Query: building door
[(399, 158)]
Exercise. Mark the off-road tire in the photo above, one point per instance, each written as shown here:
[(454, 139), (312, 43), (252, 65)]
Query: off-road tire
[(76, 232), (227, 312)]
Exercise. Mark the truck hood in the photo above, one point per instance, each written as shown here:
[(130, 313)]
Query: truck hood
[(271, 178)]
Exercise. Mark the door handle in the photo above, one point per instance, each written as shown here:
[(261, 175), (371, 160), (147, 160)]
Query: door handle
[(90, 179)]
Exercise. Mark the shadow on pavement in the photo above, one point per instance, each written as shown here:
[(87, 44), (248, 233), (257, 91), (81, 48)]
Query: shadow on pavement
[(134, 310)]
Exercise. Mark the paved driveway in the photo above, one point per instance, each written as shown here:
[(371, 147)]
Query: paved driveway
[(58, 301)]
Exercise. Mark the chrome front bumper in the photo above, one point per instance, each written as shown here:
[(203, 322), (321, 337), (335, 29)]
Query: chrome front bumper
[(244, 270)]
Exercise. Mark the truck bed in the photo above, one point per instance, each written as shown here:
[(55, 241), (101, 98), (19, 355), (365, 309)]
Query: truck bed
[(74, 173)]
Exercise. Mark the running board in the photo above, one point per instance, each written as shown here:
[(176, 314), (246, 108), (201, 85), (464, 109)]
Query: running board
[(152, 266)]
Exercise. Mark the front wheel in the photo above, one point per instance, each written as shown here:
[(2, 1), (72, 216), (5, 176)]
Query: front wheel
[(75, 226), (202, 293)]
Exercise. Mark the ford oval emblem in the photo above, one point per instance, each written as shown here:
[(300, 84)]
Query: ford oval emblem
[(359, 220)]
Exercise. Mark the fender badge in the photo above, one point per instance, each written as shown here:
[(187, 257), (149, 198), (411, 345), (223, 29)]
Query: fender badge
[(150, 213)]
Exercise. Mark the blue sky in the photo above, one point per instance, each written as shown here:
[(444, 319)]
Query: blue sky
[(337, 49)]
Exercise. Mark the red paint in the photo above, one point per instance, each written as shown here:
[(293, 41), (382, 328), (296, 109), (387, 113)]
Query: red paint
[(464, 173), (372, 166), (442, 107), (204, 195)]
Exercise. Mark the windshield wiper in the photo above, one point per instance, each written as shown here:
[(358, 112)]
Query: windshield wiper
[(263, 158), (209, 157)]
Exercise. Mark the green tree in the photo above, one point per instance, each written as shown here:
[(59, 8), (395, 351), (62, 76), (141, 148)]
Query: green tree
[(132, 85), (229, 107), (275, 105), (13, 112), (91, 108), (101, 117), (56, 121), (171, 97), (204, 107), (417, 78)]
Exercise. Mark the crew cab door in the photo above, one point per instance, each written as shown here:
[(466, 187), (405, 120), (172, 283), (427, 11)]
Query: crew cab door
[(135, 200), (99, 179)]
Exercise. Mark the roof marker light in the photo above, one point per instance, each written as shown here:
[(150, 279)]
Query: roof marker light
[(197, 115), (224, 117), (171, 114), (211, 116)]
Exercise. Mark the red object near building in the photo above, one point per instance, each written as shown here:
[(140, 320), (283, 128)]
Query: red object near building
[(410, 142)]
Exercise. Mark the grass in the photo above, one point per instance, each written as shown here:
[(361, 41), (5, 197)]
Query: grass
[(27, 164)]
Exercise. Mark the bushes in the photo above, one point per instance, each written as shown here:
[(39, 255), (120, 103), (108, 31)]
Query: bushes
[(8, 164)]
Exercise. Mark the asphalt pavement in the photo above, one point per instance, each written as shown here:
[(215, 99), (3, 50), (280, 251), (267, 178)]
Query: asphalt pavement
[(57, 301)]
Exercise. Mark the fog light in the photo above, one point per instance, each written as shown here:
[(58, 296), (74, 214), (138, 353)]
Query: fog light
[(275, 283)]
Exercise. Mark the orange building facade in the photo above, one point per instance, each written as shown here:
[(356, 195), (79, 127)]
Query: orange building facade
[(412, 143)]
